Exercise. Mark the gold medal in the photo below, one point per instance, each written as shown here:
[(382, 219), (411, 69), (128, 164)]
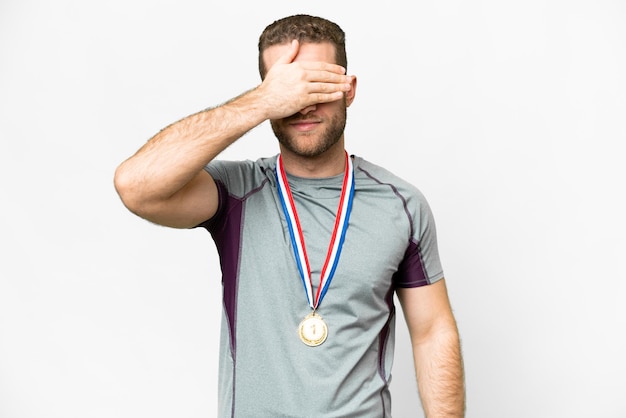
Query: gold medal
[(313, 330)]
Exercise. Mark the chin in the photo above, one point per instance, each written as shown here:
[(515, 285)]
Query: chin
[(309, 145), (307, 150)]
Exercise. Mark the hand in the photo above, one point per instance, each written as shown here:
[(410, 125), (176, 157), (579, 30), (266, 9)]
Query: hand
[(291, 86)]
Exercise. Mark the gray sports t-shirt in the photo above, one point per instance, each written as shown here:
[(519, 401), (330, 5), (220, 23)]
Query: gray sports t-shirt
[(265, 370)]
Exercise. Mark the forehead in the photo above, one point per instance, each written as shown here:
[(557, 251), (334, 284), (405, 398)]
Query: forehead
[(322, 51)]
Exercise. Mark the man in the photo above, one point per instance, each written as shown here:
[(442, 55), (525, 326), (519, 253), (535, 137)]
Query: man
[(312, 243)]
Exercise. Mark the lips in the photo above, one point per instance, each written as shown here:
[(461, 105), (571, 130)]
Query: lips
[(295, 121), (304, 124)]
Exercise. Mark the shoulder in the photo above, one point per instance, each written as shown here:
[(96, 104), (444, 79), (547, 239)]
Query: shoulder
[(239, 177), (230, 167), (369, 174), (393, 194)]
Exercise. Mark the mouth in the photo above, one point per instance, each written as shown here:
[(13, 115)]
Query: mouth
[(304, 125)]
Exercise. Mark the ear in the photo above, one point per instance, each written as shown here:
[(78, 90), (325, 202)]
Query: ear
[(350, 94)]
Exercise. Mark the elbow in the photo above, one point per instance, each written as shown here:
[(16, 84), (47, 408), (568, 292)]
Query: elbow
[(134, 192), (126, 188)]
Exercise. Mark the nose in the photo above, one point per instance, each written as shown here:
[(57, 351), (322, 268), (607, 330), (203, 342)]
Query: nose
[(308, 109)]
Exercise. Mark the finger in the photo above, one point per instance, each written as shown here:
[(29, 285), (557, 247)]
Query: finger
[(329, 88), (319, 66), (328, 77), (326, 97)]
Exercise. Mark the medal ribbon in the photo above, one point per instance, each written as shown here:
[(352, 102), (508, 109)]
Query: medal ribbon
[(297, 238)]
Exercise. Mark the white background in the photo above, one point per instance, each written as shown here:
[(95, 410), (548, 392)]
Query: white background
[(509, 116)]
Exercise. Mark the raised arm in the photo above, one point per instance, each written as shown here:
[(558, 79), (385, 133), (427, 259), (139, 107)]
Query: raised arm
[(165, 182), (436, 349)]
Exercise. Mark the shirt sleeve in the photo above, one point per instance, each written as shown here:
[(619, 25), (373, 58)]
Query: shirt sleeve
[(421, 264)]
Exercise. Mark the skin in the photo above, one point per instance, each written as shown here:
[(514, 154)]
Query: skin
[(305, 96), (165, 183), (436, 349), (312, 139)]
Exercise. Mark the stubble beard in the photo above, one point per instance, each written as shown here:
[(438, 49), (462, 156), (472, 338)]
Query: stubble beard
[(309, 146)]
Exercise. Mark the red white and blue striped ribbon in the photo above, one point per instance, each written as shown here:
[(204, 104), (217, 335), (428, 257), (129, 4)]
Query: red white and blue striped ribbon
[(297, 238)]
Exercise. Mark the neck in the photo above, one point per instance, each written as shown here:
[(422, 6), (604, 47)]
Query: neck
[(331, 163)]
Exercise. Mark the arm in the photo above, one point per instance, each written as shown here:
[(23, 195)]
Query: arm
[(165, 181), (436, 349)]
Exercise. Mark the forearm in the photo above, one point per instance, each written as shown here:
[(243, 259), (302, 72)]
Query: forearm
[(440, 377), (171, 159)]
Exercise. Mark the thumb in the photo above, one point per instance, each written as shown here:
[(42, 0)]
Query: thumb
[(291, 53)]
